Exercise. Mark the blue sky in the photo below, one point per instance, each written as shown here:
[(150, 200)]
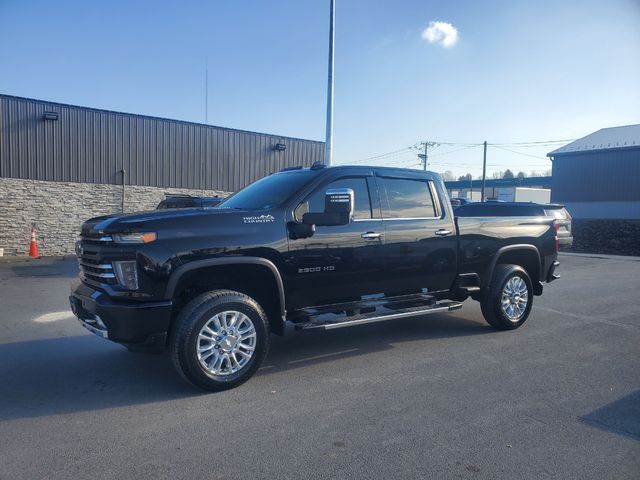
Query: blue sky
[(520, 71)]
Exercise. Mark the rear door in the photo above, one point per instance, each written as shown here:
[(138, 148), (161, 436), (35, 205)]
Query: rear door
[(420, 239)]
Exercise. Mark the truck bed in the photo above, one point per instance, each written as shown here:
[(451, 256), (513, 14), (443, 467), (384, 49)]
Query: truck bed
[(480, 239)]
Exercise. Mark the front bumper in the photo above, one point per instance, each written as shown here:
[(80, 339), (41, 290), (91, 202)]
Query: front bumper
[(136, 324)]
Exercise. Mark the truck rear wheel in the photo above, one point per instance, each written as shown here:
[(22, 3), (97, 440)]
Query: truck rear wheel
[(507, 302), (219, 340)]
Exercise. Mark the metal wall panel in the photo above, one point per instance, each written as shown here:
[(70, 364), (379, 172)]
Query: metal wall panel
[(93, 146), (628, 210), (604, 176)]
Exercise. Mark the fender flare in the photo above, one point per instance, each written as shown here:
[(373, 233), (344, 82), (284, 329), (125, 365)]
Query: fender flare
[(211, 262), (508, 248)]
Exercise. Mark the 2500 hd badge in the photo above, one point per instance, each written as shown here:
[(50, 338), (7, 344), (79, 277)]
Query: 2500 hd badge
[(328, 268)]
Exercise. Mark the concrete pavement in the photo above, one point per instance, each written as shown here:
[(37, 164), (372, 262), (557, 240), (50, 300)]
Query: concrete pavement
[(444, 396)]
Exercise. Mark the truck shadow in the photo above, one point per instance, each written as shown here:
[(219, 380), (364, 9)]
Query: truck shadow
[(621, 417), (83, 373), (317, 346)]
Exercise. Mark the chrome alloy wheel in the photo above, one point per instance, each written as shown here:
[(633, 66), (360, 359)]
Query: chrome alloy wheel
[(226, 343), (515, 297)]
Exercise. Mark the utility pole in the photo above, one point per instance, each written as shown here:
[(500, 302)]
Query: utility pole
[(425, 156), (484, 171), (328, 146)]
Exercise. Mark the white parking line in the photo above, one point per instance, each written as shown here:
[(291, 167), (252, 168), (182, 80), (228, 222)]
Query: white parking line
[(316, 357), (53, 317)]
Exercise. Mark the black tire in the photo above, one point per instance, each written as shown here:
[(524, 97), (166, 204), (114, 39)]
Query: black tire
[(184, 340), (491, 302)]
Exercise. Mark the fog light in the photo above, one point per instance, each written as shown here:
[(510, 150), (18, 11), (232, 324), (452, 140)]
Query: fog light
[(100, 323), (127, 274)]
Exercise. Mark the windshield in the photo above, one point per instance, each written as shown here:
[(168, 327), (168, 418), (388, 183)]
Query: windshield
[(269, 192)]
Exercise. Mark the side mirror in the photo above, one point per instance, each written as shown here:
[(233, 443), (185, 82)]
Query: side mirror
[(338, 209), (301, 230)]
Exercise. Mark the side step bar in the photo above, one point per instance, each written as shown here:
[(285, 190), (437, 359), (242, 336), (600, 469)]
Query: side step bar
[(373, 302), (361, 319)]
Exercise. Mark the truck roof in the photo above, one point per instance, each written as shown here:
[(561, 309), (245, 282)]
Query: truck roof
[(321, 167)]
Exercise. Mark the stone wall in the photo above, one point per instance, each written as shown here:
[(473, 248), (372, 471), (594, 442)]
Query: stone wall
[(614, 237), (58, 209)]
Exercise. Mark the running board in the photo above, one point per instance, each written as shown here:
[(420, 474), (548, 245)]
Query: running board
[(371, 302), (350, 321)]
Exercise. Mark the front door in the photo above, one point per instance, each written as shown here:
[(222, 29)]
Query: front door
[(337, 263)]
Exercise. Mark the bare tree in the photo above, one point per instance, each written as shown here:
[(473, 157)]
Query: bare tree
[(448, 176), (508, 174)]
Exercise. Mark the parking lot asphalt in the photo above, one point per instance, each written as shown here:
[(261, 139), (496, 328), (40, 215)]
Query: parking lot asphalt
[(443, 396)]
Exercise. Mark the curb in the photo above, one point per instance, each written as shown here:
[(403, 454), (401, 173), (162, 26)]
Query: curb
[(17, 259), (28, 259), (599, 255)]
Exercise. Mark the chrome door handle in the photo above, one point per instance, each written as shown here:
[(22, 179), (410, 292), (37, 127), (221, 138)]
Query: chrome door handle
[(371, 235), (442, 232)]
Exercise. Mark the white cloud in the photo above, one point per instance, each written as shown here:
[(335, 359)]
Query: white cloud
[(442, 33)]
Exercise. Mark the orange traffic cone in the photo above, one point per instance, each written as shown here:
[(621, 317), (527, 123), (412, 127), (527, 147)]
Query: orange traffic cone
[(33, 246)]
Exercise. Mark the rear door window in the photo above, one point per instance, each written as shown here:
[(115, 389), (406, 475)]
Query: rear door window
[(408, 198)]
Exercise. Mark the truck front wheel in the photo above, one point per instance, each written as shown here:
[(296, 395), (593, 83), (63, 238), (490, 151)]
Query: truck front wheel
[(219, 340), (507, 301)]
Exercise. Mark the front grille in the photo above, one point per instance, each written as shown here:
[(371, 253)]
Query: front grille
[(96, 239), (94, 268)]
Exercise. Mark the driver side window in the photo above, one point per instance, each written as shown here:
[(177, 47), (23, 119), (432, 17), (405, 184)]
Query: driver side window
[(362, 202)]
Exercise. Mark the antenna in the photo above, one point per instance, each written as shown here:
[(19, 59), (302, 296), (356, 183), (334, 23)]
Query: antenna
[(206, 91)]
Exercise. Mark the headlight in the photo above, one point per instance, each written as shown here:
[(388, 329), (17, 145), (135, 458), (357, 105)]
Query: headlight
[(127, 274), (147, 237)]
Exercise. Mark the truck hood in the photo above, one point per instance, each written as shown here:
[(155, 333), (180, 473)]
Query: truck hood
[(172, 219)]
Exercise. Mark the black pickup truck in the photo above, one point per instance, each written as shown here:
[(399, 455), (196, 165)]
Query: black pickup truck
[(302, 249)]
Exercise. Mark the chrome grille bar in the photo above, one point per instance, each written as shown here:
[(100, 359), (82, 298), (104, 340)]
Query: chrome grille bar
[(104, 238), (101, 266)]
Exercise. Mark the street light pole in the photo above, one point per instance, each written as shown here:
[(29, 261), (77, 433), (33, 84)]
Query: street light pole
[(206, 91), (328, 147)]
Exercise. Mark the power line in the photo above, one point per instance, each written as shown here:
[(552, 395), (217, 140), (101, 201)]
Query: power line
[(383, 155), (519, 153), (530, 145), (464, 146), (453, 151), (406, 161), (540, 142), (405, 151), (513, 144)]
